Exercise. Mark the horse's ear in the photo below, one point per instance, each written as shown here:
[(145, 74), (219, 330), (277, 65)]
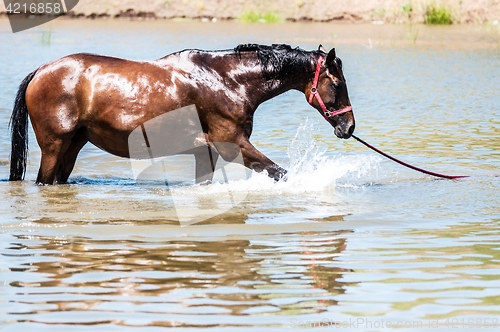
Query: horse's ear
[(330, 57), (321, 48)]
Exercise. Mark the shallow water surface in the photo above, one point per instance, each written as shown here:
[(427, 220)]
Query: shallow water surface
[(351, 240)]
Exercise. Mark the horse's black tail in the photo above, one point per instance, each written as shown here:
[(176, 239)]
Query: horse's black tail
[(19, 132)]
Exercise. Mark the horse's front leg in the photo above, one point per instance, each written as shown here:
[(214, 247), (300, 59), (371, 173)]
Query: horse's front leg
[(206, 159), (252, 158)]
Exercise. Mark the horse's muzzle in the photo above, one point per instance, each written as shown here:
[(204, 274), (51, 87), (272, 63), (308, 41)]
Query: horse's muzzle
[(344, 132), (344, 125)]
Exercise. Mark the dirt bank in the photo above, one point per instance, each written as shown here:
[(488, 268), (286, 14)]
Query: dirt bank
[(390, 11)]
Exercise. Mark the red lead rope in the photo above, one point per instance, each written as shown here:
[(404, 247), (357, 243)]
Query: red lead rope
[(408, 165), (327, 114)]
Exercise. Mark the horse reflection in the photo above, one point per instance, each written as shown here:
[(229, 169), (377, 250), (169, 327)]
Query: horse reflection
[(233, 274)]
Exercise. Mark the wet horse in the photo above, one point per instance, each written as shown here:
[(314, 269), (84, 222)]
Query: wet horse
[(84, 98)]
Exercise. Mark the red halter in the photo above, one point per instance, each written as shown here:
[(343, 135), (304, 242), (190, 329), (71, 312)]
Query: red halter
[(315, 94)]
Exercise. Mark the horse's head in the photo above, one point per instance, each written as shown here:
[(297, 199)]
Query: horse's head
[(327, 92)]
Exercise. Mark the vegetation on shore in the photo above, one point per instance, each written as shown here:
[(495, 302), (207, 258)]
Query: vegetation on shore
[(435, 14), (250, 16)]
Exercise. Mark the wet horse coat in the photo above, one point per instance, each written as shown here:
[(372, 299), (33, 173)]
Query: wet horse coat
[(90, 98)]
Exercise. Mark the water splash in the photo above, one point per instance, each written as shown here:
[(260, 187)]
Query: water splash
[(309, 167)]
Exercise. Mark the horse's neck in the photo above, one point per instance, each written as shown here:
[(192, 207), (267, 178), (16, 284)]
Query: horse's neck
[(274, 83)]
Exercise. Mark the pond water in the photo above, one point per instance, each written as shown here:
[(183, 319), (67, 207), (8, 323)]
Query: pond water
[(351, 240)]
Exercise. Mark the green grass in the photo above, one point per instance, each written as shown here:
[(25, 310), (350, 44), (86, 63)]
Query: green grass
[(407, 9), (438, 15), (271, 17), (250, 16)]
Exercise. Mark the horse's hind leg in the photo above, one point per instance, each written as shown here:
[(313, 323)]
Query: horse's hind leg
[(52, 154), (69, 158)]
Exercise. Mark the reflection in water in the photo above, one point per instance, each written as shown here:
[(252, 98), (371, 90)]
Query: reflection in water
[(292, 273), (205, 279)]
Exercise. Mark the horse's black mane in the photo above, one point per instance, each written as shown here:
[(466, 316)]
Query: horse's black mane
[(280, 60)]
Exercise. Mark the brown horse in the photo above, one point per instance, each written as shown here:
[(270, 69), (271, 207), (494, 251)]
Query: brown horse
[(85, 97)]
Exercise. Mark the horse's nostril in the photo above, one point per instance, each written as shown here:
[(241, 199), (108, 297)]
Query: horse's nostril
[(351, 129)]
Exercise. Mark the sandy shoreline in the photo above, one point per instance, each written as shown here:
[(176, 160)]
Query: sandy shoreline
[(363, 11)]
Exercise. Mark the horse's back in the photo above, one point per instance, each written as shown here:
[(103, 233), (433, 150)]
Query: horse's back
[(76, 70), (86, 83)]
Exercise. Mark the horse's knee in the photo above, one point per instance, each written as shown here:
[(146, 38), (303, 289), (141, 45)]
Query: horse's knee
[(230, 152)]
